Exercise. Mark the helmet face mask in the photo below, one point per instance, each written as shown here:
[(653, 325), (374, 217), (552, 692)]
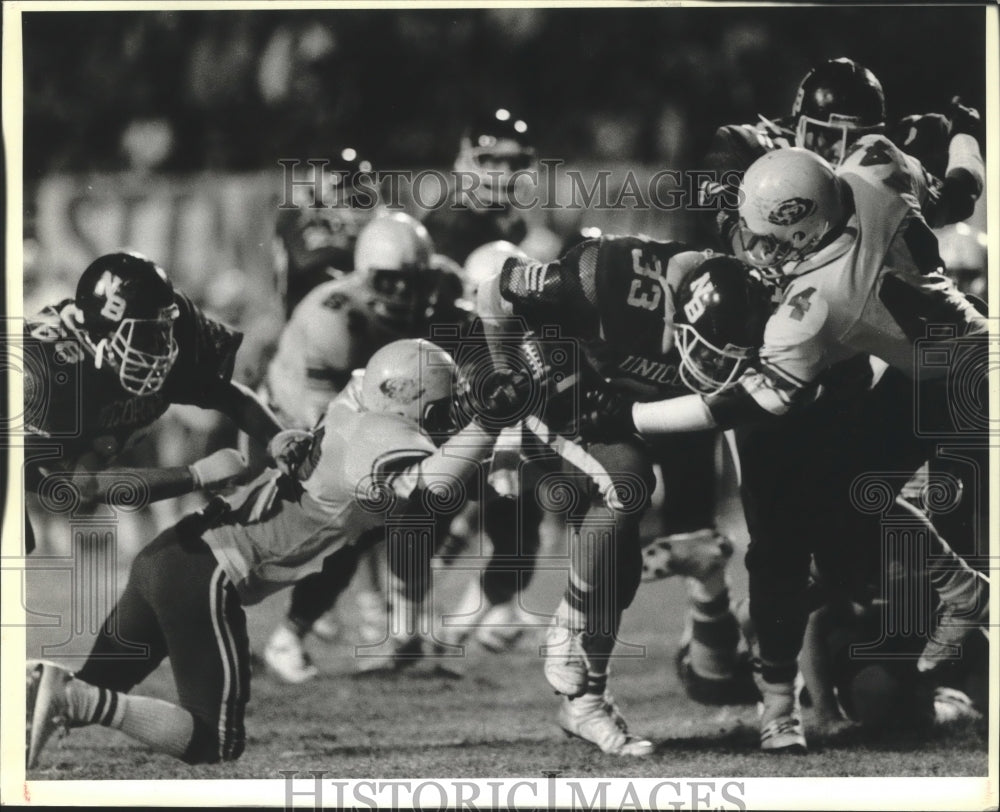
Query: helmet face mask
[(830, 139), (394, 254), (143, 351), (722, 307), (837, 102), (496, 149), (707, 369)]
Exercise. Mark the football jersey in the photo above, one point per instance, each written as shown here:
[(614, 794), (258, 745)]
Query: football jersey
[(457, 230), (873, 290), (613, 297), (315, 244), (736, 146), (333, 332), (85, 411), (276, 530)]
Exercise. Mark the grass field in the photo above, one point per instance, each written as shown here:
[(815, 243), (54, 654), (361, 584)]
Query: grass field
[(497, 721)]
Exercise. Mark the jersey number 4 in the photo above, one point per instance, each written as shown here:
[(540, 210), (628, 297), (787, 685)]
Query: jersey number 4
[(799, 303)]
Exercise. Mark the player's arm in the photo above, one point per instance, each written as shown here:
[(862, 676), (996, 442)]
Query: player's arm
[(241, 405), (134, 486), (956, 194)]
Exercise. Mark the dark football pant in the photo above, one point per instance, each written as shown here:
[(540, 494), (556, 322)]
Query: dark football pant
[(606, 551), (687, 464), (812, 481), (180, 604)]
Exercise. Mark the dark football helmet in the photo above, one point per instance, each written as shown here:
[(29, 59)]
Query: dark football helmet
[(496, 146), (722, 307), (125, 306), (837, 102)]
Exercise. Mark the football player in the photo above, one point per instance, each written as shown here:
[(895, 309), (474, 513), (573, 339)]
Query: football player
[(864, 280), (837, 102), (494, 154), (187, 589), (102, 367), (315, 235), (336, 328), (613, 298)]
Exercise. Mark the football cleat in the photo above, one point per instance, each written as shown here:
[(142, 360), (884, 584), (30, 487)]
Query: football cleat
[(287, 658), (781, 729), (736, 688), (952, 705), (502, 626), (46, 706), (565, 659), (596, 719), (373, 616), (391, 656), (327, 628), (957, 619), (697, 555)]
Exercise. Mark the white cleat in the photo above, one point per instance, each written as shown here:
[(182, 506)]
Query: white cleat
[(46, 706), (596, 719), (781, 729), (373, 616), (565, 659), (327, 628), (287, 658), (697, 555), (502, 626)]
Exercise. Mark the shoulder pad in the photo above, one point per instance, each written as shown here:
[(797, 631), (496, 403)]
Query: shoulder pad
[(383, 444)]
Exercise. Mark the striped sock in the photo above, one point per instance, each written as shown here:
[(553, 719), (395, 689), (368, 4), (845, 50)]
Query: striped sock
[(161, 725)]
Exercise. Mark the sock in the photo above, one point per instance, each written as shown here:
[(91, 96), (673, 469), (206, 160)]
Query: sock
[(715, 633), (779, 700), (162, 725), (576, 599)]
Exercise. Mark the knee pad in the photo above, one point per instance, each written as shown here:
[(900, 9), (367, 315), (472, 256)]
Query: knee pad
[(697, 555)]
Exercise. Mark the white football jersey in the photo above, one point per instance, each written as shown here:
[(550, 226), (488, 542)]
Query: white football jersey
[(874, 290)]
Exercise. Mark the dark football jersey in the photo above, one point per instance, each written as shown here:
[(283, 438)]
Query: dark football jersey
[(457, 231), (613, 298), (84, 411), (318, 245)]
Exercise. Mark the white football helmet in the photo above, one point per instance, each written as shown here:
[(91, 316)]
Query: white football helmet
[(413, 378), (394, 253), (791, 200), (486, 261)]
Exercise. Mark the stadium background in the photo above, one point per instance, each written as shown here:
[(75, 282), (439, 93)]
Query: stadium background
[(161, 131)]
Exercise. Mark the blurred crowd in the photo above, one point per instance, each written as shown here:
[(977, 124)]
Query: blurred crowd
[(235, 90)]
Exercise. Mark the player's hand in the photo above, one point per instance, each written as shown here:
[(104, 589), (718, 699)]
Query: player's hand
[(606, 416), (965, 119), (290, 448), (224, 467), (500, 397)]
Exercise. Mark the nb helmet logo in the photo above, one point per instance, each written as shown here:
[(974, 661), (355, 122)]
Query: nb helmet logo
[(789, 212)]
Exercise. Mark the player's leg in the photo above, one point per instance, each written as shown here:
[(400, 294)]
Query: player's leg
[(709, 662), (615, 482), (777, 502), (312, 597), (149, 608)]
